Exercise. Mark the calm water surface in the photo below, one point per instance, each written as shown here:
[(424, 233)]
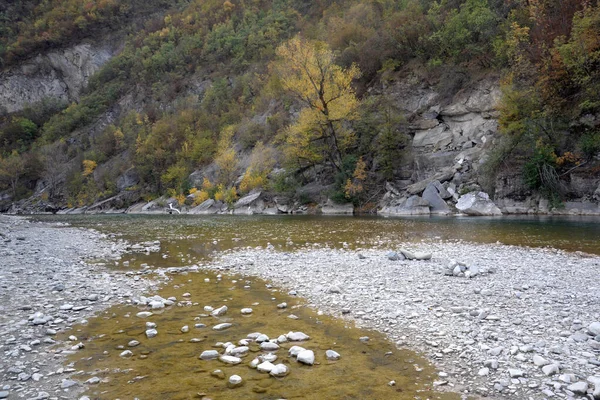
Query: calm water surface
[(289, 232)]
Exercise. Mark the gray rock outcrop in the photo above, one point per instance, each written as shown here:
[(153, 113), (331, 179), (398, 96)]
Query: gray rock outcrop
[(59, 74), (477, 203), (331, 208)]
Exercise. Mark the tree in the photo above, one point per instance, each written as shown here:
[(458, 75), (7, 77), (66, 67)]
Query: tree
[(308, 71), (11, 170)]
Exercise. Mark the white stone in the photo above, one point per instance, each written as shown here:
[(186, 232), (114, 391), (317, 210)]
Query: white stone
[(218, 312), (230, 360), (209, 355), (235, 381), (265, 367), (150, 333), (332, 355), (279, 370), (222, 327), (306, 357), (295, 350), (297, 336), (269, 346), (144, 314), (126, 353)]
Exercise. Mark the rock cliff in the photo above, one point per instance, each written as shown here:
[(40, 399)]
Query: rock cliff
[(60, 74)]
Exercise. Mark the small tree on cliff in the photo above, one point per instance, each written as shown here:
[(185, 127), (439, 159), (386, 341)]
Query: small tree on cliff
[(321, 133)]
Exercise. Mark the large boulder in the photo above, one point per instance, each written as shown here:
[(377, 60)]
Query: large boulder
[(433, 194), (414, 205), (477, 203), (332, 208), (209, 206), (249, 204)]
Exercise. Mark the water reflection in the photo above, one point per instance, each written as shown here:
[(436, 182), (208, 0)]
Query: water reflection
[(217, 233)]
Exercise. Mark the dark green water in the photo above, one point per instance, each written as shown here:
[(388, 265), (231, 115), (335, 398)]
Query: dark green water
[(290, 232)]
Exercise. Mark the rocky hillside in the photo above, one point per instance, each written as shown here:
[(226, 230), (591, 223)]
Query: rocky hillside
[(285, 107)]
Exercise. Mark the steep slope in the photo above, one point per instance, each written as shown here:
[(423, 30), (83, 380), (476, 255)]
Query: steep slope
[(197, 105)]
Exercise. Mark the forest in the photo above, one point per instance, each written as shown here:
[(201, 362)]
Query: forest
[(264, 91)]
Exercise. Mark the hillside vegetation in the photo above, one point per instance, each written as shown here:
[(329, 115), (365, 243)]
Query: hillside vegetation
[(280, 92)]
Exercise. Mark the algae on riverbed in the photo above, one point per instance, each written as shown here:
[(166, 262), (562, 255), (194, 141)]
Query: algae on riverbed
[(168, 367)]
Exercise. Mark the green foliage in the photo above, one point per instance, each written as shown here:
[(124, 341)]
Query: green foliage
[(465, 33), (193, 69), (590, 144), (18, 135)]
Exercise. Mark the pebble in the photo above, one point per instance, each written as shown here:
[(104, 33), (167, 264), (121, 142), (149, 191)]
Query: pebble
[(551, 369), (230, 359), (295, 350), (246, 311), (222, 327), (150, 333), (235, 381), (332, 355), (297, 336), (126, 353), (219, 312), (67, 383), (144, 314), (306, 357), (269, 346), (209, 355), (279, 370), (4, 394), (578, 388), (133, 343), (265, 367), (540, 361), (185, 329), (217, 373)]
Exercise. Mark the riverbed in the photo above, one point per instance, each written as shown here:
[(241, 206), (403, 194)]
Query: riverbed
[(485, 334)]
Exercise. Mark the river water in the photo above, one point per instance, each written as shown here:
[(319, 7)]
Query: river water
[(167, 367), (290, 232)]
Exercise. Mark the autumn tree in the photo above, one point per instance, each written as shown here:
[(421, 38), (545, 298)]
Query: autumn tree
[(226, 159), (307, 69)]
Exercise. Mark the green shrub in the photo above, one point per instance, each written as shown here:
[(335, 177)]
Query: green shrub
[(590, 144)]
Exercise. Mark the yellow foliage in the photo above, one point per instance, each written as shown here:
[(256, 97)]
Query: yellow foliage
[(180, 198), (569, 158), (206, 184), (230, 195), (228, 6), (88, 167), (193, 190), (354, 186), (119, 137), (252, 181), (308, 70), (220, 193), (201, 197)]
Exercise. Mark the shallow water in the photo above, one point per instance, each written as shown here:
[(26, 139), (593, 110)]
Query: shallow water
[(171, 369), (207, 234), (168, 364)]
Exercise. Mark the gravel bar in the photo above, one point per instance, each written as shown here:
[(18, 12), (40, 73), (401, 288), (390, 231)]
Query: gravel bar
[(47, 285), (498, 321)]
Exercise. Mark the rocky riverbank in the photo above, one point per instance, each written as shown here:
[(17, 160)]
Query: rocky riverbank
[(499, 321), (48, 284)]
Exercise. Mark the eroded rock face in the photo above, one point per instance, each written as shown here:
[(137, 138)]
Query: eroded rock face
[(60, 75)]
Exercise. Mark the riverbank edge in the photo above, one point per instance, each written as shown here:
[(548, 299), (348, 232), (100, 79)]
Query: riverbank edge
[(36, 365)]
